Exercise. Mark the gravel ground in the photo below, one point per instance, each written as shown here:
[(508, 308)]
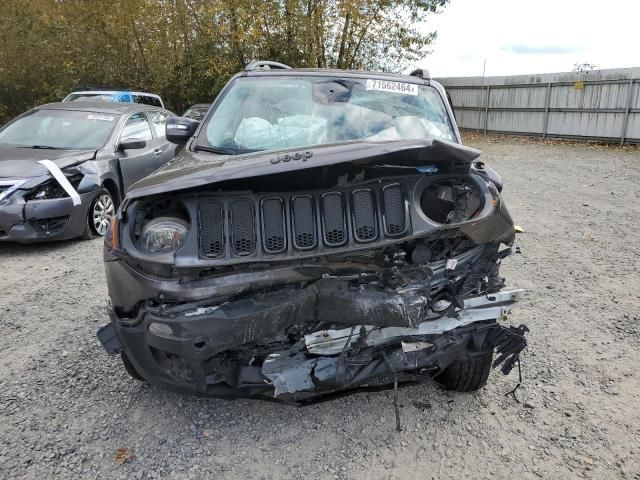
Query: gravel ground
[(66, 407)]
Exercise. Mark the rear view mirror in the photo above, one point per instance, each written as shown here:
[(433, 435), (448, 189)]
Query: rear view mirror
[(132, 144), (180, 129)]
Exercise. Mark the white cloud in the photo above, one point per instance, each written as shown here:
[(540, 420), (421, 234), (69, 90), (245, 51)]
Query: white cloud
[(520, 37)]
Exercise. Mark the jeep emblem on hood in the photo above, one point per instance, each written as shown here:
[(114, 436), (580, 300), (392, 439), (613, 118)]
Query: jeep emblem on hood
[(304, 156)]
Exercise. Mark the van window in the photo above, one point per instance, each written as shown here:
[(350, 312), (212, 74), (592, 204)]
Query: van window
[(148, 100)]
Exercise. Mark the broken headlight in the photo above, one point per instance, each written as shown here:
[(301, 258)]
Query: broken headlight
[(52, 189), (163, 235), (451, 201)]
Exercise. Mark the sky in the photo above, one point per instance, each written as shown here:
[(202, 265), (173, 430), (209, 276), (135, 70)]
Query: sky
[(533, 36)]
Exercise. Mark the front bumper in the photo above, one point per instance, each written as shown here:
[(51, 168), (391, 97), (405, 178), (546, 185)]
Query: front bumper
[(238, 349), (31, 221)]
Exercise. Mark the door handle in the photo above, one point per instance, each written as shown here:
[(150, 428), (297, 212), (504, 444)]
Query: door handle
[(157, 152)]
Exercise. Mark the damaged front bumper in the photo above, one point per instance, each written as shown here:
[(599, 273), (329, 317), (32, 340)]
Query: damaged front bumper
[(239, 348), (31, 221)]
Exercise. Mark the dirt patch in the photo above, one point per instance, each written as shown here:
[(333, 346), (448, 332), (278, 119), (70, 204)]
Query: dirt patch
[(66, 408)]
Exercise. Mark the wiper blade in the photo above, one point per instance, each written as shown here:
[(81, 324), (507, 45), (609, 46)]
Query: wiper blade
[(45, 147), (219, 150)]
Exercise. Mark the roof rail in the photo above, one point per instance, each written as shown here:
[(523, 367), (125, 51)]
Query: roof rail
[(421, 73), (265, 65)]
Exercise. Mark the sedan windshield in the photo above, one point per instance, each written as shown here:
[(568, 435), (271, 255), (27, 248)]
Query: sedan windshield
[(284, 112), (60, 129)]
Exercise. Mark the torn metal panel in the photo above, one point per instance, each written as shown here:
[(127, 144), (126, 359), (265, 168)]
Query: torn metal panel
[(478, 308), (295, 372)]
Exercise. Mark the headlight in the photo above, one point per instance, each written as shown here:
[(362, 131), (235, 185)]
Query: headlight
[(163, 234), (52, 189)]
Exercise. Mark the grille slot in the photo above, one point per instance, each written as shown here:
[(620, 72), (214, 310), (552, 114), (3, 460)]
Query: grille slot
[(243, 227), (304, 222), (395, 222), (273, 225), (364, 216), (333, 219), (211, 222)]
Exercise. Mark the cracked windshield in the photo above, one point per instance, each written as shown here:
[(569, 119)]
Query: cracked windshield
[(259, 114)]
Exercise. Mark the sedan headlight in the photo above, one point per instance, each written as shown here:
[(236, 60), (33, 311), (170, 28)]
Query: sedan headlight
[(51, 189), (163, 234)]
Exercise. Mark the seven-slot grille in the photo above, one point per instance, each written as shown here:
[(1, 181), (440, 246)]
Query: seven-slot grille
[(309, 221)]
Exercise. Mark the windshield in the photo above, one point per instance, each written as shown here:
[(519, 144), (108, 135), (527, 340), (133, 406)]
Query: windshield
[(276, 113), (89, 97), (63, 129)]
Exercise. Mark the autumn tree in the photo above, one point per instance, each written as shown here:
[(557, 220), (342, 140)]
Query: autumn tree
[(186, 50)]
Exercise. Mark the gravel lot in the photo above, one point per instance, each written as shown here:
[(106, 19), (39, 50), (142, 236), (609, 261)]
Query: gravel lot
[(66, 407)]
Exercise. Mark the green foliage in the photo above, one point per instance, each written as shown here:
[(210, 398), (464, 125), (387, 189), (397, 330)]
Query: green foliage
[(186, 50)]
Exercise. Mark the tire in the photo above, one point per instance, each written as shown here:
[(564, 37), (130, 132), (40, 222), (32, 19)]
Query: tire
[(467, 375), (102, 209), (128, 366)]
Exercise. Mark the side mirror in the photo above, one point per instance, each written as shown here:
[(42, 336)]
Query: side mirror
[(180, 129), (132, 144)]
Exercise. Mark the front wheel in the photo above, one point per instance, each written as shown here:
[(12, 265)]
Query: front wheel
[(101, 211), (467, 375)]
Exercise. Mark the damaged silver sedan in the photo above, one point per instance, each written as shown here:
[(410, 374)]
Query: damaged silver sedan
[(321, 231)]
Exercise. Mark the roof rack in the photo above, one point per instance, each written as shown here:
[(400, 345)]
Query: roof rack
[(421, 73), (265, 65)]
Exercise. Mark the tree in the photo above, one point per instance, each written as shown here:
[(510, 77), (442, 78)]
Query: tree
[(186, 50)]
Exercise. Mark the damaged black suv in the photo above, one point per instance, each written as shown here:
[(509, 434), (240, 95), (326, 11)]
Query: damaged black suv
[(321, 231)]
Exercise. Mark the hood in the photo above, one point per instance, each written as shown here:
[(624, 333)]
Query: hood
[(195, 169), (16, 162)]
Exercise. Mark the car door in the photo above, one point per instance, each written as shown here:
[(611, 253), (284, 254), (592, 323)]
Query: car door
[(140, 162), (164, 150)]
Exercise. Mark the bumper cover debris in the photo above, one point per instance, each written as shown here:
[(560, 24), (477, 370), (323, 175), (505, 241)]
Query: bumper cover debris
[(210, 351)]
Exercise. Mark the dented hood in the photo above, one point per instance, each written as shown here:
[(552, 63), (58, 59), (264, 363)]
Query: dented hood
[(17, 162), (195, 169)]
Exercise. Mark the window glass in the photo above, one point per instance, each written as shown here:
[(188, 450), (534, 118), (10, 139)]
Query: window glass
[(89, 97), (159, 121), (136, 128), (63, 129), (285, 112), (147, 100)]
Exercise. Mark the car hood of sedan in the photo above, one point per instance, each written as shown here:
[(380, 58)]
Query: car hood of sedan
[(195, 169), (22, 162)]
